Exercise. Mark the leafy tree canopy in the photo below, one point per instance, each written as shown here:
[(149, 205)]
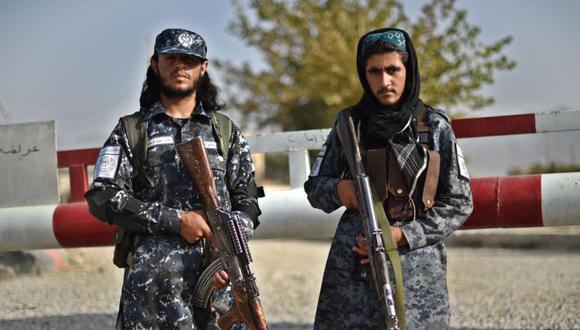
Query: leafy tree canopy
[(309, 49)]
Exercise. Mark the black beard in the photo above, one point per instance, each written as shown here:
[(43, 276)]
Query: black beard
[(174, 93)]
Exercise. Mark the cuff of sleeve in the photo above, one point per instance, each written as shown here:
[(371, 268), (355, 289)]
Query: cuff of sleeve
[(334, 193), (169, 220), (414, 234), (251, 211)]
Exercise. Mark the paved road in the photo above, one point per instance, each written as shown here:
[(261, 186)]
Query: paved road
[(490, 289)]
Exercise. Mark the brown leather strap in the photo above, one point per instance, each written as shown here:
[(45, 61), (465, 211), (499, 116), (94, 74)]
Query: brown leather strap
[(432, 179), (377, 168), (422, 126), (395, 183)]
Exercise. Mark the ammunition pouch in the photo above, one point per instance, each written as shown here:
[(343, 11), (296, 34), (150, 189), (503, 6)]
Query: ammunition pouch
[(392, 190), (389, 185)]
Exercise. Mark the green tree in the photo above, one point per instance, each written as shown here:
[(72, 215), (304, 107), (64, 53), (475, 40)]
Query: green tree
[(540, 168), (309, 49)]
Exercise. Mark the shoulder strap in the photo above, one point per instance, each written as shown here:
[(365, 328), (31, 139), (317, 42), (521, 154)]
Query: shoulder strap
[(421, 112), (434, 162), (136, 129), (383, 222), (133, 128), (394, 257), (222, 125), (423, 127)]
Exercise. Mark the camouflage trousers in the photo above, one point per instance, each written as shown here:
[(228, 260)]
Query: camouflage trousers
[(158, 285), (349, 301)]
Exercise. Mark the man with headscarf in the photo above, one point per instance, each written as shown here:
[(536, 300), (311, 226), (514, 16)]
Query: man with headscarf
[(421, 180), (142, 187)]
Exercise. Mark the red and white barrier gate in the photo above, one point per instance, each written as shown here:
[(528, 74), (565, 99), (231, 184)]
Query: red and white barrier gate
[(506, 202), (500, 202)]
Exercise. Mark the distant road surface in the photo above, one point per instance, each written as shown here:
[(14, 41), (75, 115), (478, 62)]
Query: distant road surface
[(490, 289)]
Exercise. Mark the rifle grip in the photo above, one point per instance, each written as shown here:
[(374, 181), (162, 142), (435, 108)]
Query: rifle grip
[(235, 315), (229, 319)]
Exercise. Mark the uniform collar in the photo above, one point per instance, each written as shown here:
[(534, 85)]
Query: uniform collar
[(157, 108)]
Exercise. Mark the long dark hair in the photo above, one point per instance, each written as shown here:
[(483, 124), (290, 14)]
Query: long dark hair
[(206, 92)]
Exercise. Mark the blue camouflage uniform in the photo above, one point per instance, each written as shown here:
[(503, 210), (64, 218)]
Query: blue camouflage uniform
[(348, 301), (163, 267)]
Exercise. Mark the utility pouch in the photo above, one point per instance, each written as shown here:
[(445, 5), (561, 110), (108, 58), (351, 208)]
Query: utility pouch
[(389, 184), (398, 204), (123, 243)]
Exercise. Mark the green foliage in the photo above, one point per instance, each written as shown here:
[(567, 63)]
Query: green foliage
[(542, 168), (309, 48)]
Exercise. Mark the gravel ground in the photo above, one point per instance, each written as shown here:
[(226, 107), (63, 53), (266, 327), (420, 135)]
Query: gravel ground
[(490, 289)]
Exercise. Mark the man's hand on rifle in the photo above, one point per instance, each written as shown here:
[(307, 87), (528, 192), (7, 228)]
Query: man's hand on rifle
[(347, 194), (220, 279), (362, 247), (398, 236), (194, 227)]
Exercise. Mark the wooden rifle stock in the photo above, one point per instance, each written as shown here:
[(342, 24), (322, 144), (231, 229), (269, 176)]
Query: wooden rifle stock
[(194, 157), (248, 308)]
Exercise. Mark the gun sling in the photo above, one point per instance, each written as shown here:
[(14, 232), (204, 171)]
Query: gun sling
[(383, 222)]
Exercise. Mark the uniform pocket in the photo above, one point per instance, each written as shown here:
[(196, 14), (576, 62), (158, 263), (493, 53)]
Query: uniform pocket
[(216, 161), (160, 151), (399, 207)]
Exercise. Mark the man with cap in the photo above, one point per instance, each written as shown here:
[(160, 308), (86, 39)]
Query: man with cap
[(419, 175), (141, 186)]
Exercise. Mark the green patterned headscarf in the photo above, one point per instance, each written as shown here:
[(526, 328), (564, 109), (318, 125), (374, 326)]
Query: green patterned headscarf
[(390, 36)]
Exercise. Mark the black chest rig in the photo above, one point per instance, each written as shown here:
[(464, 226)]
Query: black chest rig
[(387, 179)]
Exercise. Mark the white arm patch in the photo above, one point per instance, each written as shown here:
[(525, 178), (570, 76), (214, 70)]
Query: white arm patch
[(318, 161), (461, 162), (106, 165)]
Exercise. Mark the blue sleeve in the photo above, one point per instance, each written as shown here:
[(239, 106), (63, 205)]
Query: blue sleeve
[(111, 198), (240, 181), (327, 170)]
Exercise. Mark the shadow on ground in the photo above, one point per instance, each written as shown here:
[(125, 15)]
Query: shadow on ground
[(71, 322), (107, 322), (97, 322)]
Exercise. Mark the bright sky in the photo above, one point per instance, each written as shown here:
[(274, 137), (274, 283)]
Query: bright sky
[(82, 63)]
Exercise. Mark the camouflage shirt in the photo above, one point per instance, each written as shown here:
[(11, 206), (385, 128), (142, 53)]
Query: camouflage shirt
[(164, 269), (348, 301)]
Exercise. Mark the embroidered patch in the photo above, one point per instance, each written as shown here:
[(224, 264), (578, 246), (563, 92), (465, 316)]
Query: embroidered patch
[(210, 144), (160, 140), (461, 162), (185, 39), (106, 165), (318, 161)]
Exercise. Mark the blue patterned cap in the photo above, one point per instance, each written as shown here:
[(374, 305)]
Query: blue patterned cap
[(179, 41), (392, 37)]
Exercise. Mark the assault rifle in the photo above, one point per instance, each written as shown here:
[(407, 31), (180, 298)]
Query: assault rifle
[(373, 233), (233, 249)]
